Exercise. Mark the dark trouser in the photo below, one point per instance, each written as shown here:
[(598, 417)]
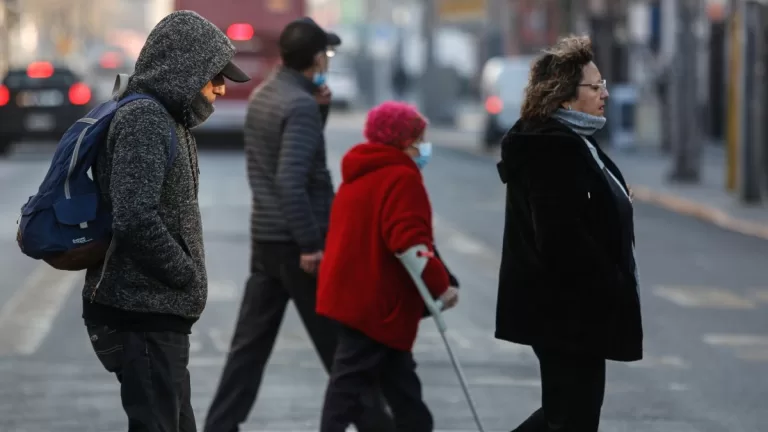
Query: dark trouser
[(572, 391), (361, 367), (275, 279), (154, 381)]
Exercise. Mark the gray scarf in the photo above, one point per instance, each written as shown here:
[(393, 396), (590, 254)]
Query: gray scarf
[(582, 123)]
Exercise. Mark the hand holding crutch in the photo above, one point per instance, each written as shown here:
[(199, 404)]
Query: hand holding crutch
[(415, 260)]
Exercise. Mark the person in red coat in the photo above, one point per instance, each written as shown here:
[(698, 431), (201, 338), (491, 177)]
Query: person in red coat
[(380, 211)]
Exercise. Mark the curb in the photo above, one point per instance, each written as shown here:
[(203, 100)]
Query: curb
[(699, 211)]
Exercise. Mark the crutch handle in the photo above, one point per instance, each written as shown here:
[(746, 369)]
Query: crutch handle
[(415, 260)]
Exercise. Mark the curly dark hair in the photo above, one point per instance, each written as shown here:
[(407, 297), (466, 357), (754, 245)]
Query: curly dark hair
[(555, 77)]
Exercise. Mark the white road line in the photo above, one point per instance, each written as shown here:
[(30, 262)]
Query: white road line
[(660, 361), (760, 294), (27, 317), (703, 297), (749, 347), (449, 236), (736, 340), (223, 291)]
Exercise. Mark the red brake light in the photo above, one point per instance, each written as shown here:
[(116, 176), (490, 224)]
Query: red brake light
[(110, 60), (40, 70), (79, 94), (5, 95), (494, 105), (240, 32)]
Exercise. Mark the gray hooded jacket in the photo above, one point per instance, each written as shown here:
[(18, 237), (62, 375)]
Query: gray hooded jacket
[(156, 262)]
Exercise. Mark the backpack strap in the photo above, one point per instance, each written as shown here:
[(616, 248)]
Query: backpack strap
[(174, 139)]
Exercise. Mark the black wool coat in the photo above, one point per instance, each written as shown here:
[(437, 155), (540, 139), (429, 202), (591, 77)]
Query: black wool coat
[(563, 281)]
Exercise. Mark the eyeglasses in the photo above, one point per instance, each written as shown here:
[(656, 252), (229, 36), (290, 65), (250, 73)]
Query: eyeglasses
[(602, 85)]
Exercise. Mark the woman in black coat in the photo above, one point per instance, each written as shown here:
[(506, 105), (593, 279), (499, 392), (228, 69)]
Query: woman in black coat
[(568, 283)]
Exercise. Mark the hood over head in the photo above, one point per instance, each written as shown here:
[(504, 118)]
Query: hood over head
[(182, 53), (367, 158)]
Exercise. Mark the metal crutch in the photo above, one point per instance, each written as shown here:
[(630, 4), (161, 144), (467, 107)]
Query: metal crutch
[(414, 260)]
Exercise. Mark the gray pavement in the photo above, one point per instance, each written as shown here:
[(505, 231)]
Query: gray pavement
[(704, 293)]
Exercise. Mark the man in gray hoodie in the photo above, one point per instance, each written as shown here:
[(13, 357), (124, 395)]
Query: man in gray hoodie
[(140, 303)]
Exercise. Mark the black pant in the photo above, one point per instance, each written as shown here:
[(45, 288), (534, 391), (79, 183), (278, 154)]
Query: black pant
[(275, 279), (154, 381), (361, 367), (572, 391)]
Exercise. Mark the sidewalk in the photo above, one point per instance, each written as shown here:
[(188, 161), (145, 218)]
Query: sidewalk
[(647, 170)]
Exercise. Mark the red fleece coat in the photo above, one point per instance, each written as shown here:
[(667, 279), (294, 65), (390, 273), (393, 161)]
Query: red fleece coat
[(381, 209)]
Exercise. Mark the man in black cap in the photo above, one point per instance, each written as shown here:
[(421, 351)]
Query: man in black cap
[(292, 194), (140, 303)]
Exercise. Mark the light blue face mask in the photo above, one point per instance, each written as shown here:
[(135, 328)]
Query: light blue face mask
[(425, 153), (319, 78)]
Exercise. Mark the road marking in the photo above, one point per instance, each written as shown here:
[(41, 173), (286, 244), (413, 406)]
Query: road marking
[(760, 294), (749, 347), (223, 291), (735, 340), (27, 317), (656, 361), (703, 297), (449, 236)]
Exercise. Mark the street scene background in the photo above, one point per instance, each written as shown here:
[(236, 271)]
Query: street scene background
[(685, 127)]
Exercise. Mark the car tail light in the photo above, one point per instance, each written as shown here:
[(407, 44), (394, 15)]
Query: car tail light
[(240, 32), (494, 105), (79, 94), (5, 95), (40, 70), (110, 60)]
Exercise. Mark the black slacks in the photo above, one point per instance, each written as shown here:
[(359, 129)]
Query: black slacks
[(572, 392), (361, 367)]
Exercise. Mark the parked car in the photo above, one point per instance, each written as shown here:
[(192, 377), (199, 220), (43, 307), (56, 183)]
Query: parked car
[(342, 81), (503, 84), (40, 102)]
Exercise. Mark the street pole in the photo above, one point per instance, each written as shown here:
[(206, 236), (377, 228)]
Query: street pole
[(752, 125), (686, 144), (429, 97)]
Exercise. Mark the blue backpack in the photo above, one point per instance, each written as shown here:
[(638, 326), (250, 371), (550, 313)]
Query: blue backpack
[(66, 223)]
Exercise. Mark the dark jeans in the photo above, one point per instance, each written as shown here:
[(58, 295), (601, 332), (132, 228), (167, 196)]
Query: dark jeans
[(152, 371), (572, 392), (361, 367), (275, 279)]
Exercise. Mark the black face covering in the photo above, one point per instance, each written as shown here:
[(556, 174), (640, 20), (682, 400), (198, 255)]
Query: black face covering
[(199, 111)]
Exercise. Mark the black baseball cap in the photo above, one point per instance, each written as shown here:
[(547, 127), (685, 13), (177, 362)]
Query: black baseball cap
[(305, 35), (233, 73)]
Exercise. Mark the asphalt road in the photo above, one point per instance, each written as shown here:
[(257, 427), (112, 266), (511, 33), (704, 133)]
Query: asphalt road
[(704, 291)]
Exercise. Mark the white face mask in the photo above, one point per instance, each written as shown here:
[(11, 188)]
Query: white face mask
[(425, 153)]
